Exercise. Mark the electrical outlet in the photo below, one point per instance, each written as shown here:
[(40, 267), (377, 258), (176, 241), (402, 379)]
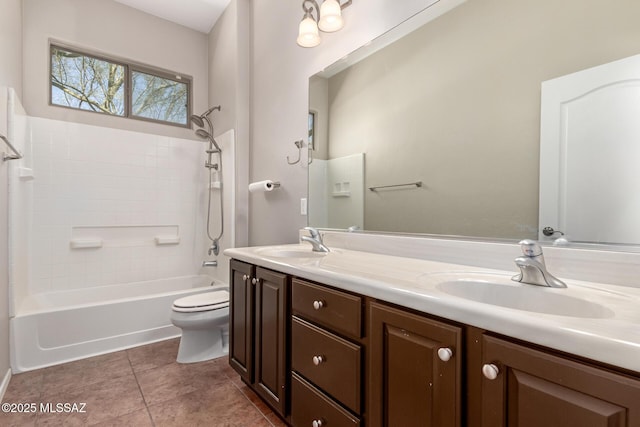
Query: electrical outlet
[(303, 206)]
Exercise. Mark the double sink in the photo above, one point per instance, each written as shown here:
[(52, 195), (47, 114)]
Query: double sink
[(595, 320), (490, 288)]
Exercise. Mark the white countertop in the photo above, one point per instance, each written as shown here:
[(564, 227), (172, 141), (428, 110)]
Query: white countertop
[(413, 283)]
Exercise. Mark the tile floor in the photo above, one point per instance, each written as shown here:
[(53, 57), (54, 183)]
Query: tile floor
[(142, 386)]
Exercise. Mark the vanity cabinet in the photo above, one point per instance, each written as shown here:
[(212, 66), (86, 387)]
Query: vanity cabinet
[(327, 356), (321, 356), (415, 369), (241, 301), (526, 387), (259, 331)]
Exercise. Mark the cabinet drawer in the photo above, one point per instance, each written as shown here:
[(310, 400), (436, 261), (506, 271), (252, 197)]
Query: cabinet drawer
[(328, 361), (336, 310), (309, 404)]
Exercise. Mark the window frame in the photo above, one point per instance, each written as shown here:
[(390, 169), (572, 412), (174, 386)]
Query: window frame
[(129, 68)]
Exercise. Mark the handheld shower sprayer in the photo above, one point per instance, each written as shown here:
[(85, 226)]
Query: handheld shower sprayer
[(202, 121)]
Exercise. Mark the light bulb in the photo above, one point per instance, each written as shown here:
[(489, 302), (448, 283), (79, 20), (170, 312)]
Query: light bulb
[(308, 35), (330, 16)]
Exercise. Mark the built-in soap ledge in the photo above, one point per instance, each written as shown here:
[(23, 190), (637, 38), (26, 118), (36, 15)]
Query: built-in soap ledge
[(86, 243), (25, 174), (124, 236), (167, 240)]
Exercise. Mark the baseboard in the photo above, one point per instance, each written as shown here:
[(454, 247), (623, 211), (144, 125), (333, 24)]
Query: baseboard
[(5, 384)]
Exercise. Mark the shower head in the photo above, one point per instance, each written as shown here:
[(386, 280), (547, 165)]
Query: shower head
[(197, 120), (206, 135), (200, 121), (203, 134)]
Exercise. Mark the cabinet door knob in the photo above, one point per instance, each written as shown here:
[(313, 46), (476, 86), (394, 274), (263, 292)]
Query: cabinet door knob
[(254, 281), (245, 277), (317, 423), (490, 371), (318, 360), (445, 354), (318, 304)]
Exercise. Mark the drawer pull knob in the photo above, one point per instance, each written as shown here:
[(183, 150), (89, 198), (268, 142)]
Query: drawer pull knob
[(318, 360), (318, 304), (445, 354), (317, 423), (490, 371)]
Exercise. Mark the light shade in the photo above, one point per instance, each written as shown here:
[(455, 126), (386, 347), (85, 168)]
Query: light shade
[(330, 16), (308, 35)]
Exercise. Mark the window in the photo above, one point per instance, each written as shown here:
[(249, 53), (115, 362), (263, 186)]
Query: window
[(312, 129), (88, 82)]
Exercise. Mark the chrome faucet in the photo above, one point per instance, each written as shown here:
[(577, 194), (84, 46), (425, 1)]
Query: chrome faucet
[(315, 238), (533, 270)]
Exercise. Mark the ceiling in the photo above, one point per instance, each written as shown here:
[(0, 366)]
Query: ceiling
[(199, 15)]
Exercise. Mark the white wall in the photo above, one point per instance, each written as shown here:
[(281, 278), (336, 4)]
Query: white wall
[(121, 187), (113, 29), (10, 76), (280, 73)]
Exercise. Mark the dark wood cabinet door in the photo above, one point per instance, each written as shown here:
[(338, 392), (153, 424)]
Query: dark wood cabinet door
[(533, 388), (409, 384), (241, 319), (271, 327)]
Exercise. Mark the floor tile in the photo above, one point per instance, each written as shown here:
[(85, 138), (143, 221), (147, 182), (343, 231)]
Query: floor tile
[(171, 381), (220, 406), (140, 418), (25, 387), (86, 372), (102, 401), (144, 386), (17, 419), (154, 355)]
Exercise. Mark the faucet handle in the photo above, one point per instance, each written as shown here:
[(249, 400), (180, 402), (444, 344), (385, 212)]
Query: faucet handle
[(530, 248), (314, 233)]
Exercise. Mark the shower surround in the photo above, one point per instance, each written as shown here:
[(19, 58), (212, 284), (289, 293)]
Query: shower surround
[(95, 209)]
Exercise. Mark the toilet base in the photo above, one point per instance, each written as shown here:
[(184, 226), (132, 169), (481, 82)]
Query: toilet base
[(202, 345)]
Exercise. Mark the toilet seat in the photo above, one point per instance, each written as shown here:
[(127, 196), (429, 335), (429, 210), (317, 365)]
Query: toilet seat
[(206, 301)]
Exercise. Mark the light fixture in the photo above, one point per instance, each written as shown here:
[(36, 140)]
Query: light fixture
[(327, 18)]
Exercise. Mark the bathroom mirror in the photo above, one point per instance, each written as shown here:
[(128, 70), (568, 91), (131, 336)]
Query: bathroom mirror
[(444, 123)]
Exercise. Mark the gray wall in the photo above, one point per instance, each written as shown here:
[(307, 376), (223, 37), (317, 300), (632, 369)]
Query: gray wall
[(456, 104), (10, 76), (280, 74), (113, 29), (229, 87)]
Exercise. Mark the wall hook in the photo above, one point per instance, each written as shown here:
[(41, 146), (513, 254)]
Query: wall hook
[(299, 143)]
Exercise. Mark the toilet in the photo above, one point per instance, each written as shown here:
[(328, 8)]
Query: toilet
[(204, 320)]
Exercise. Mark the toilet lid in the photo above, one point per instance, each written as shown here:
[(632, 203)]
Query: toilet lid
[(202, 302)]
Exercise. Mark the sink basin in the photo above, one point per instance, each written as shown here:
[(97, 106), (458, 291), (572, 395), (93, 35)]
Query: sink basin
[(502, 291), (290, 252)]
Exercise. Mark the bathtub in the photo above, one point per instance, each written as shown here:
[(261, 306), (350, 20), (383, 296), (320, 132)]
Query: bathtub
[(58, 327)]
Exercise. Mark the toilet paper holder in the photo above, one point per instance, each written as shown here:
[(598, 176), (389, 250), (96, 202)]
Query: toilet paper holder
[(263, 186), (274, 184)]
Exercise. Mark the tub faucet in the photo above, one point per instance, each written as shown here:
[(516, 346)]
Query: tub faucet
[(213, 263), (315, 238), (533, 270)]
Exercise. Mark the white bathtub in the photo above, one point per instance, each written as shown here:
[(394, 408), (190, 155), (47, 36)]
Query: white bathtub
[(58, 327)]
